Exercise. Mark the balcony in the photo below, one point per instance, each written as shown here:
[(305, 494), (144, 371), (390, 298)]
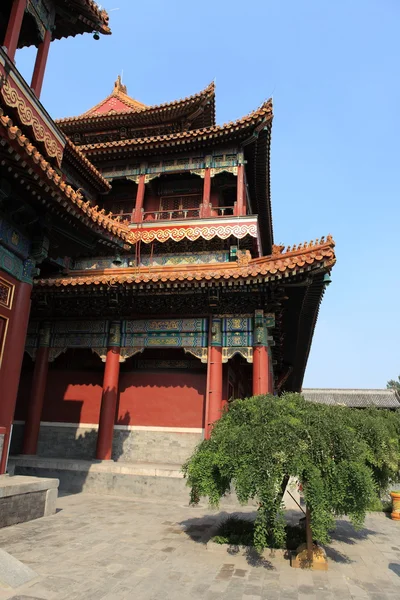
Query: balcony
[(20, 103), (181, 214)]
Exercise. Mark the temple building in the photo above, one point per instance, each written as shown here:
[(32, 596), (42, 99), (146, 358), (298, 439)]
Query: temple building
[(157, 292)]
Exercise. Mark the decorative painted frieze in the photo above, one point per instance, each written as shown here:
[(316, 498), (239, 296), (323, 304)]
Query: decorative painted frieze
[(233, 333), (165, 325), (114, 335), (262, 322), (13, 239), (17, 95), (161, 260), (216, 332), (80, 334)]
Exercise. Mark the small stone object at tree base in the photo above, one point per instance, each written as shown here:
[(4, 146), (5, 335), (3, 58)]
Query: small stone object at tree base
[(300, 559), (395, 515)]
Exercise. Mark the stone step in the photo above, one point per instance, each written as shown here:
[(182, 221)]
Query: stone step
[(141, 479)]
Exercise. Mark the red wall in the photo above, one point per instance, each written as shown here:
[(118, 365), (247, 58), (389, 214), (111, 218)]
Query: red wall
[(73, 396), (157, 398), (162, 398)]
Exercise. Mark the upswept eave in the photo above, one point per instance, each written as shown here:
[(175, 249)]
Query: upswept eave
[(72, 151), (240, 127), (137, 109), (62, 192), (278, 265), (73, 17), (98, 15)]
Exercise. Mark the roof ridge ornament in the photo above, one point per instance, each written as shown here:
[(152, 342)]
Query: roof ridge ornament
[(119, 86)]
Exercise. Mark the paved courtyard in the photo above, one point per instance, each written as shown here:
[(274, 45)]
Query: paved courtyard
[(103, 547)]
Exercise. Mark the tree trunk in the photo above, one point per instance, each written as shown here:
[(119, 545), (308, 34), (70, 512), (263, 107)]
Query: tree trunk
[(309, 540)]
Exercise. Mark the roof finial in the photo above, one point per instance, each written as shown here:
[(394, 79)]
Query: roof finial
[(119, 87)]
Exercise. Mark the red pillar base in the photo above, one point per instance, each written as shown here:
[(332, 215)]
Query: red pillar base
[(108, 405)]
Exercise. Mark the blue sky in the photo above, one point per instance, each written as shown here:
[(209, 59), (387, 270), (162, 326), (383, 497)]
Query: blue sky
[(333, 71)]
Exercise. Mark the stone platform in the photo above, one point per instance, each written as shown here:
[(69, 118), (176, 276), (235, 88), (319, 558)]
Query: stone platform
[(140, 479), (107, 477), (26, 498)]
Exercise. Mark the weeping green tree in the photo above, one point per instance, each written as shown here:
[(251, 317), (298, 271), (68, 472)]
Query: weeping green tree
[(344, 458)]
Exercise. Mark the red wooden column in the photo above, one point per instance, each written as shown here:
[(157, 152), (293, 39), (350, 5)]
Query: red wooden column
[(40, 64), (137, 213), (214, 391), (206, 212), (261, 357), (240, 195), (32, 424), (261, 371), (12, 361), (14, 27), (110, 394)]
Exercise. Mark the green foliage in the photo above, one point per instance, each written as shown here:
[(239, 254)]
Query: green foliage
[(344, 458), (392, 384), (379, 505)]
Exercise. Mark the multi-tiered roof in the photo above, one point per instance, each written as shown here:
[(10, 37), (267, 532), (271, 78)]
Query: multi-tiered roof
[(121, 131), (108, 136)]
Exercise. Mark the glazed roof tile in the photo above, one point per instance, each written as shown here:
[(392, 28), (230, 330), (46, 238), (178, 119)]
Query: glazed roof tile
[(216, 132), (118, 105), (280, 264), (98, 217), (354, 398), (102, 184), (73, 17)]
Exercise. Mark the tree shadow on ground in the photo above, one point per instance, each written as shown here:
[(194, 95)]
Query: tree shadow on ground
[(337, 556), (347, 534), (201, 529)]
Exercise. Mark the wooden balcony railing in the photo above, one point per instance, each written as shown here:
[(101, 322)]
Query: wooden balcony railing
[(222, 211), (180, 214), (168, 215)]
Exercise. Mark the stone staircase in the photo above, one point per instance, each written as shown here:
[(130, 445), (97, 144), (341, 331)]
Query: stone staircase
[(140, 479)]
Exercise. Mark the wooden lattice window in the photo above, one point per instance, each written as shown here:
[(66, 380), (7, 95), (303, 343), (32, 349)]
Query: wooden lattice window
[(179, 206)]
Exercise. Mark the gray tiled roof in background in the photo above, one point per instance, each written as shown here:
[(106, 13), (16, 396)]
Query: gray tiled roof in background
[(354, 398)]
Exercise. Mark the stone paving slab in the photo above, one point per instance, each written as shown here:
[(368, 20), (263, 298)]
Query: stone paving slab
[(103, 547)]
